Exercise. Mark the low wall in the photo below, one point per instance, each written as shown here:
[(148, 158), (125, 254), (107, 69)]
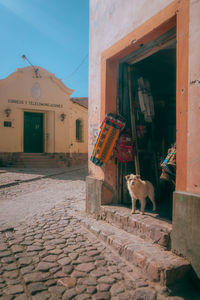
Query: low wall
[(98, 193), (8, 158), (186, 227)]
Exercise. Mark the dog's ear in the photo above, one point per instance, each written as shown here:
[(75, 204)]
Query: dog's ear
[(127, 177), (137, 176)]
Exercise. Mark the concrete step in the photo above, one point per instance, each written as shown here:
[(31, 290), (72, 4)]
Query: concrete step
[(147, 226), (35, 165), (156, 264), (32, 154), (36, 160)]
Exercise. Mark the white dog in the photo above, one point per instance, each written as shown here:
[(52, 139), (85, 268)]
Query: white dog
[(140, 189)]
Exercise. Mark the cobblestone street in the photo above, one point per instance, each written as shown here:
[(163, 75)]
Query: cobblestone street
[(47, 253), (26, 192)]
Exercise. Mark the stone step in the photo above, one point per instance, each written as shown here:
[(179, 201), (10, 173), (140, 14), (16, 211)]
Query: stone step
[(147, 226), (32, 154), (156, 264), (37, 160), (46, 160), (35, 165)]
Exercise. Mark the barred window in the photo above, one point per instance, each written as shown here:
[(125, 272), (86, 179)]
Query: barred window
[(79, 130)]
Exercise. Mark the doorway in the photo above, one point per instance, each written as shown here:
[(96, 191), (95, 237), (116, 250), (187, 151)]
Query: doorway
[(33, 132), (155, 126)]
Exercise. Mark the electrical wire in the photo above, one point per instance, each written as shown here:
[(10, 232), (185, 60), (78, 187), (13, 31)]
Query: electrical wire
[(78, 67)]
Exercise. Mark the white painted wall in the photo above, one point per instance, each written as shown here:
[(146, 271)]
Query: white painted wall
[(109, 22)]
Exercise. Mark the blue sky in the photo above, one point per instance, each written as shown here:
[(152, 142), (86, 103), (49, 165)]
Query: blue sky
[(53, 34)]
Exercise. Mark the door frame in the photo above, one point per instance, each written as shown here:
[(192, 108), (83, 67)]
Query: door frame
[(176, 15)]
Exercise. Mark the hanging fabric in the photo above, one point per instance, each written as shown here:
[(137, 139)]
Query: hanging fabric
[(169, 165), (108, 135), (124, 149), (145, 99), (123, 108)]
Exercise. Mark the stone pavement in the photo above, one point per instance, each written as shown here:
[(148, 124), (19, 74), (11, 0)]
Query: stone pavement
[(22, 200), (55, 258), (50, 255), (15, 176)]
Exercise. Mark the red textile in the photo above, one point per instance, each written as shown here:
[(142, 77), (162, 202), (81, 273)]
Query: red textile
[(124, 149)]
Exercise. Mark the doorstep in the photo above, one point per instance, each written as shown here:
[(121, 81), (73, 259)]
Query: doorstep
[(154, 262), (148, 226)]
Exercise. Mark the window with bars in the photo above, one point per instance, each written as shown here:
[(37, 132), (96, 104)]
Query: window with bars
[(79, 130)]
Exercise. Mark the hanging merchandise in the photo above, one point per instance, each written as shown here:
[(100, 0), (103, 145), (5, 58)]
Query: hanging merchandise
[(169, 165), (111, 127), (124, 148), (141, 130), (145, 99)]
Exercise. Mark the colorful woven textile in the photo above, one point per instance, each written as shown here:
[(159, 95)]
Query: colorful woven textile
[(169, 165), (124, 148), (109, 133)]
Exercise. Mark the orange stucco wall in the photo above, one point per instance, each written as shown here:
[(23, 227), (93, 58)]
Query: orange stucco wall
[(22, 91)]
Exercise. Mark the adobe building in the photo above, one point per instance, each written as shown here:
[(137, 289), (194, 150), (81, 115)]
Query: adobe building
[(38, 116), (156, 41)]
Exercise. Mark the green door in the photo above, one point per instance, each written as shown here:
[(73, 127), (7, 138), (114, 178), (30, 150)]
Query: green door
[(33, 132)]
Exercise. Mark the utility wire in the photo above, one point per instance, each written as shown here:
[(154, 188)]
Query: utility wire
[(78, 67)]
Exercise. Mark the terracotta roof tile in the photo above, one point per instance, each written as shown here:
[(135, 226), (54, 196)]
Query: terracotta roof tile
[(83, 101)]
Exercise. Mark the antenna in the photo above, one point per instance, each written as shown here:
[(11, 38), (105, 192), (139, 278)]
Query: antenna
[(35, 70)]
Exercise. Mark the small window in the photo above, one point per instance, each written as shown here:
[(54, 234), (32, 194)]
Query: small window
[(7, 124), (79, 130)]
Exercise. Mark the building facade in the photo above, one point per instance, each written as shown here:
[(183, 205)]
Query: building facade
[(156, 40), (37, 116)]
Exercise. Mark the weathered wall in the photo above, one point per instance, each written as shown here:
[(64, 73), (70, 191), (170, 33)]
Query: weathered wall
[(109, 22), (114, 20), (51, 99), (193, 175), (186, 205), (186, 227)]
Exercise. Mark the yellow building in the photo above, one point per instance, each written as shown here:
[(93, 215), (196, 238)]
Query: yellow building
[(38, 116)]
